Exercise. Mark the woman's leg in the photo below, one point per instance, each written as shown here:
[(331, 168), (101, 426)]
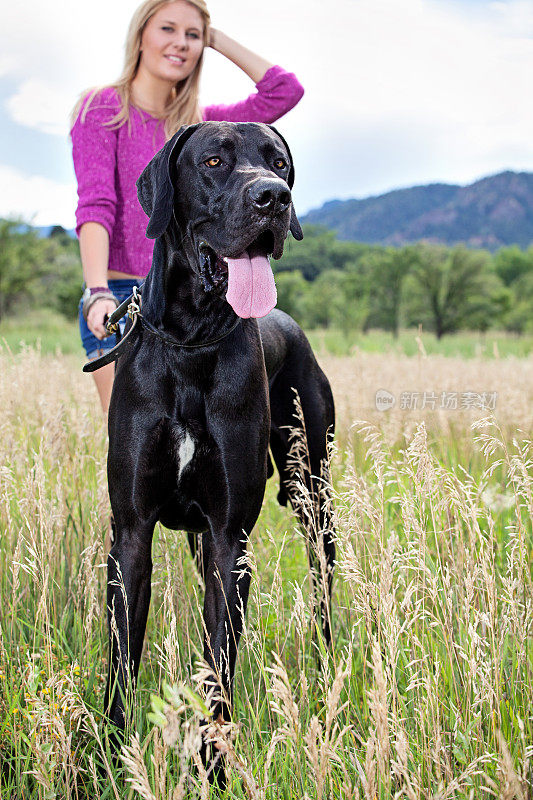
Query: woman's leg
[(103, 378)]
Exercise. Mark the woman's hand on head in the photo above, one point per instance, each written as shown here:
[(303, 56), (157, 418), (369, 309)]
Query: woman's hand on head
[(96, 315), (255, 66), (212, 37)]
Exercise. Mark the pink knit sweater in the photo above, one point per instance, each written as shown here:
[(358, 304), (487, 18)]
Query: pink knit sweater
[(108, 162)]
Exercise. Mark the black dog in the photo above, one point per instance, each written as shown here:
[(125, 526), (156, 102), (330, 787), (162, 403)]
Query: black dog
[(204, 389)]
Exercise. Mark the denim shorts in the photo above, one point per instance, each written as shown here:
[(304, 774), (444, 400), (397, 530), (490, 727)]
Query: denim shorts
[(94, 347)]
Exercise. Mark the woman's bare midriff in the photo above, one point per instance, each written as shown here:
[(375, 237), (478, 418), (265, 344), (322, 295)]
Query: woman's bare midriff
[(115, 275)]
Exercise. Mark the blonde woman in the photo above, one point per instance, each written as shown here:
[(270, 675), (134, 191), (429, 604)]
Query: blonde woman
[(119, 128)]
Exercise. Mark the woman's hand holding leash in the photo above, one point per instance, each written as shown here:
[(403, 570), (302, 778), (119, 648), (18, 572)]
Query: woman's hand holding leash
[(97, 316)]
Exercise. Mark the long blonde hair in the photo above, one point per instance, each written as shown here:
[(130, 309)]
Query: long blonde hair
[(184, 108)]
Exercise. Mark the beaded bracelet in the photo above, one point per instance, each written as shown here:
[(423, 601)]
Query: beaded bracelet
[(90, 296)]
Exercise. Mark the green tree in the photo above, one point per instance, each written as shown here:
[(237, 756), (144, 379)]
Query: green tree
[(519, 317), (351, 311), (292, 288), (21, 253), (386, 270), (36, 269), (454, 288), (63, 282), (322, 299), (336, 298), (320, 251), (512, 263)]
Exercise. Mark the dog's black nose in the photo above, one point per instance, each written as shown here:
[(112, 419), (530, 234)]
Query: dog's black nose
[(269, 196)]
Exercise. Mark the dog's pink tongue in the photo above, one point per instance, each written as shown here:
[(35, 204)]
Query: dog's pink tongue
[(251, 287)]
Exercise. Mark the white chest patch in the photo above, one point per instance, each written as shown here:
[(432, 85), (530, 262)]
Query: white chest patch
[(185, 452)]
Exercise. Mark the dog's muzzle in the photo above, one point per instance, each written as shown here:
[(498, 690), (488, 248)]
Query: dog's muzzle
[(251, 289)]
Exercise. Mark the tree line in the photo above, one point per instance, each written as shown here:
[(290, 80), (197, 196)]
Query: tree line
[(325, 282), (37, 271), (321, 281)]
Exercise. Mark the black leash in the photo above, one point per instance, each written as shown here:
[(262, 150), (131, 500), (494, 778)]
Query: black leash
[(132, 307)]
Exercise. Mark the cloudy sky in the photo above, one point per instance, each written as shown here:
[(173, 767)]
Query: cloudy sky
[(398, 92)]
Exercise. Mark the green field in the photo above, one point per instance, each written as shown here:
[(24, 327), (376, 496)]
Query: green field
[(45, 330), (51, 332), (427, 690)]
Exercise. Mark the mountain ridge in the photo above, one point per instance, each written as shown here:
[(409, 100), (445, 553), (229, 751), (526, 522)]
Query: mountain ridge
[(492, 212)]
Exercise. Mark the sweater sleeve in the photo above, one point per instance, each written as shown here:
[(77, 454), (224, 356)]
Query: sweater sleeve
[(94, 152), (277, 92)]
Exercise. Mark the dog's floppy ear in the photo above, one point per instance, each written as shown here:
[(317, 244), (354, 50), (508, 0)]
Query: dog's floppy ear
[(294, 227), (154, 185)]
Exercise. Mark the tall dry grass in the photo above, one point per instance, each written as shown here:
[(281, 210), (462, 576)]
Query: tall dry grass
[(427, 690)]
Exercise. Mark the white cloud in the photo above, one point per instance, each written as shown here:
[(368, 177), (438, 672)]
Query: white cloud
[(40, 105), (35, 199), (361, 60), (7, 64)]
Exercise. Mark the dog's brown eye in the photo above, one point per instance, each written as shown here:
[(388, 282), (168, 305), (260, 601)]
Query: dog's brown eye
[(279, 163), (212, 162)]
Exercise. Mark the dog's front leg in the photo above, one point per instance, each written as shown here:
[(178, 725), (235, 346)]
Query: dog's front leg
[(129, 571), (226, 598), (227, 584)]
